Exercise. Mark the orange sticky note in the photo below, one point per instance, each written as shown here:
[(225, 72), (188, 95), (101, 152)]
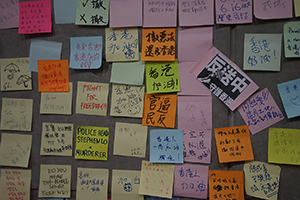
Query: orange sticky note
[(224, 185), (234, 144), (159, 110), (158, 44), (53, 75)]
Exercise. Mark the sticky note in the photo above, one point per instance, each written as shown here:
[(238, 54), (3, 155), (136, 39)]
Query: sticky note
[(16, 114), (92, 98), (122, 44), (283, 146), (159, 198), (129, 73), (130, 139), (262, 52), (53, 75), (125, 13), (57, 139), (92, 12), (225, 184), (92, 183), (125, 185), (158, 44), (233, 144), (258, 175), (9, 17), (260, 111), (193, 42), (65, 11), (297, 8), (290, 96), (160, 13), (15, 149), (15, 184), (35, 17), (159, 110), (162, 77), (157, 179), (233, 11), (55, 181), (195, 112), (291, 35), (232, 86), (273, 9), (15, 74), (197, 146), (43, 50), (191, 181), (166, 146), (195, 13), (91, 143), (86, 52)]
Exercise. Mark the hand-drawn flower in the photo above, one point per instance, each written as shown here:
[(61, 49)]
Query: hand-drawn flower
[(23, 79), (12, 69)]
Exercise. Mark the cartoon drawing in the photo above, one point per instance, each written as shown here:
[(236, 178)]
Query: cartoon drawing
[(23, 79), (295, 101), (12, 69), (127, 187)]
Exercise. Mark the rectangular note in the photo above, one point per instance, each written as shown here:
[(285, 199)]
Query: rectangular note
[(16, 114), (55, 181), (15, 149), (297, 8), (9, 14), (65, 11), (35, 17), (291, 35), (86, 52), (273, 9), (57, 139), (15, 74), (262, 52), (92, 12), (283, 146)]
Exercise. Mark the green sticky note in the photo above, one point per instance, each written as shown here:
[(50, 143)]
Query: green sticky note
[(284, 146), (291, 36), (162, 77)]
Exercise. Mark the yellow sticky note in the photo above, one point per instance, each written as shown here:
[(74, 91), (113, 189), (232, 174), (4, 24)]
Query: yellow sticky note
[(157, 179), (125, 185), (91, 143), (92, 183), (284, 146), (297, 8), (55, 181)]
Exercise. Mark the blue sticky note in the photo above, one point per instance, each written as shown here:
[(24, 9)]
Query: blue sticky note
[(65, 11), (86, 52), (166, 146), (43, 50), (159, 198), (290, 97)]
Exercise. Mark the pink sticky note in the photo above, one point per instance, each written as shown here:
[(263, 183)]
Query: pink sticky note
[(35, 17), (260, 111), (195, 112), (9, 14), (234, 11), (125, 13), (223, 78), (191, 181), (273, 9), (160, 13), (189, 85), (193, 43), (197, 146), (196, 13)]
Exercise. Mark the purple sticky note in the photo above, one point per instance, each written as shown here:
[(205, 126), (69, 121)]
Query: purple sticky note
[(9, 14), (260, 111), (160, 13), (197, 146), (196, 13), (273, 9), (195, 112), (125, 13), (191, 181), (193, 43), (234, 11), (189, 85)]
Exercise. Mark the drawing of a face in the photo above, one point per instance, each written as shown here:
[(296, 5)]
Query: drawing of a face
[(127, 187)]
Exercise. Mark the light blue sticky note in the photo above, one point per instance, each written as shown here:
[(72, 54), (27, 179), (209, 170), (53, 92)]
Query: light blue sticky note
[(166, 146), (65, 11), (43, 50), (290, 97), (159, 198), (86, 52)]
